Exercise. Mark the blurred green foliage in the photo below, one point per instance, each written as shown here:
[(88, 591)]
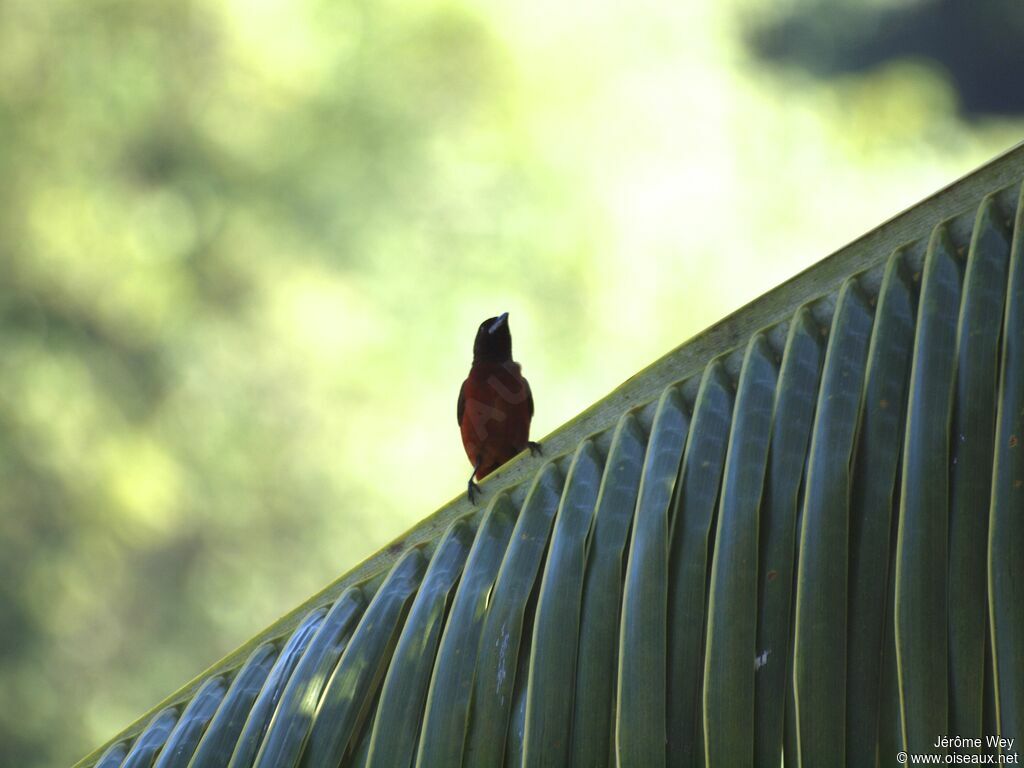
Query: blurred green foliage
[(244, 247)]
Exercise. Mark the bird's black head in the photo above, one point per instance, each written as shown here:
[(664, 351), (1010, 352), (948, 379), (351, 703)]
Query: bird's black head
[(493, 341)]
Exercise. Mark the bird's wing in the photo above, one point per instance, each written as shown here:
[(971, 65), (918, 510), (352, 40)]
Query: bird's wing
[(529, 395), (462, 403)]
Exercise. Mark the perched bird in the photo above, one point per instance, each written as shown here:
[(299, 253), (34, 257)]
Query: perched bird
[(495, 403)]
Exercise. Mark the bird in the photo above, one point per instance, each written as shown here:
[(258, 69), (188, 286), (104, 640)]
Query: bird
[(495, 403)]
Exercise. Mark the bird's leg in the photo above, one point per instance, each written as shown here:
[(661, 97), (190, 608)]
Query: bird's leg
[(534, 448), (472, 488)]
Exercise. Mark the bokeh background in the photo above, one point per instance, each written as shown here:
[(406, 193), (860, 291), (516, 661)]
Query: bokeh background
[(245, 244)]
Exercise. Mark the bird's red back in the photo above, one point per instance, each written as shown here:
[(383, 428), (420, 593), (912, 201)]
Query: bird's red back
[(495, 410)]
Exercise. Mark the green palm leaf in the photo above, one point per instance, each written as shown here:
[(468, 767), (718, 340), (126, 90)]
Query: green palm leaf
[(799, 536)]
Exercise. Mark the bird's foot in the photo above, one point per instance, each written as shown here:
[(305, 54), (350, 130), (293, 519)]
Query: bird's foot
[(472, 489), (534, 448)]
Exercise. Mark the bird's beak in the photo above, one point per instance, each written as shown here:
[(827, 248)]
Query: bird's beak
[(498, 323)]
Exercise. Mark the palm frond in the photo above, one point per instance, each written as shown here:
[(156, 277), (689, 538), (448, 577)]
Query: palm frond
[(799, 534)]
